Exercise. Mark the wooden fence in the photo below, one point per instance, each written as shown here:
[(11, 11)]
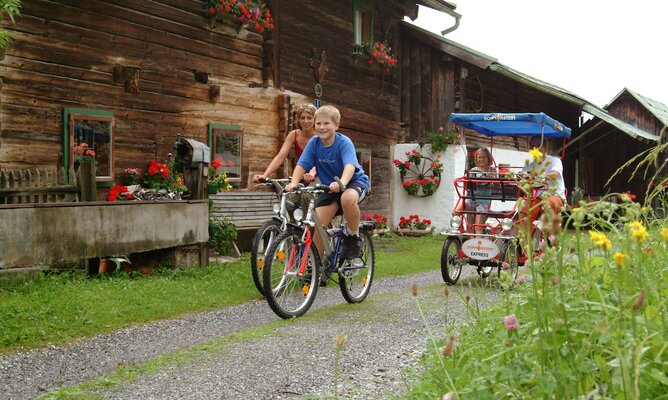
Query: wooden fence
[(47, 185)]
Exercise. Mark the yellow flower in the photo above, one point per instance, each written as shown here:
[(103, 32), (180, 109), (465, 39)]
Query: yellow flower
[(664, 233), (536, 154), (638, 231), (636, 225), (619, 258), (640, 234), (600, 240)]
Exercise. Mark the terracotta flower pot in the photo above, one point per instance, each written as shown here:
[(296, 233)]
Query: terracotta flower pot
[(106, 266)]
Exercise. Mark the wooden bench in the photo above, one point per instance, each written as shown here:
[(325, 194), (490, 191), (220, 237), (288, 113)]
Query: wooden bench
[(247, 209)]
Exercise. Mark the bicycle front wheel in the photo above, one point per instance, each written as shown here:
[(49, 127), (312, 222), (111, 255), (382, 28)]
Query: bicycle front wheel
[(290, 275), (261, 244), (355, 276)]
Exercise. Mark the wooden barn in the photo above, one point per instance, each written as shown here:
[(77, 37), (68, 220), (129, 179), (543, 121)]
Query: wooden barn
[(601, 147)]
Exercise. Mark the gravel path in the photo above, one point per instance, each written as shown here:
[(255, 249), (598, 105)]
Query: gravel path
[(270, 359)]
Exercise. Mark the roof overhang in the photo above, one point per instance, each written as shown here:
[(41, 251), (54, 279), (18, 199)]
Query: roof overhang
[(565, 95)]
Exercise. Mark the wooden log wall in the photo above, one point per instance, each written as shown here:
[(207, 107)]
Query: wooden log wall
[(368, 98), (67, 53)]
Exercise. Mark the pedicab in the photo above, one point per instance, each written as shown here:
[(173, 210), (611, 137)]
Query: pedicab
[(496, 245)]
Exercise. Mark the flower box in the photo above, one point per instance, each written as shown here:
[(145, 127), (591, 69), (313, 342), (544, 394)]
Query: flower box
[(413, 231)]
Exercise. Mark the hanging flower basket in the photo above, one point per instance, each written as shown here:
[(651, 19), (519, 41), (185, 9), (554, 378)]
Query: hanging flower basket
[(420, 173)]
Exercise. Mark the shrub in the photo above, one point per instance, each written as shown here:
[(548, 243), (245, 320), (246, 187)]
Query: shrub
[(222, 234)]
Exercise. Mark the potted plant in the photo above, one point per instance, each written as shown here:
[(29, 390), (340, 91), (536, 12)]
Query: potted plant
[(379, 223), (86, 167), (253, 13), (413, 225), (217, 181), (163, 177)]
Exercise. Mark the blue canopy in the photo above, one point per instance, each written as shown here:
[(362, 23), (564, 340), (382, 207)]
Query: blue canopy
[(522, 124)]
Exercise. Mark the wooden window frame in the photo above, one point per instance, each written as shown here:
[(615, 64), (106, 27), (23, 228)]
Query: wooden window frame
[(360, 151), (72, 114), (358, 28), (228, 129)]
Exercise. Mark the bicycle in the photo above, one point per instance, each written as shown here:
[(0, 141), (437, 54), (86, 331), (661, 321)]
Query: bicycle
[(268, 231), (293, 268)]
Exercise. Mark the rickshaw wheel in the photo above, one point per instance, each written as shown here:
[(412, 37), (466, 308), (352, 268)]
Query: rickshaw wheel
[(451, 264), (510, 256)]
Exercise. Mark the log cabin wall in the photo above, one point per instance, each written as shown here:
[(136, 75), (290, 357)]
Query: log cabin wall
[(65, 53), (367, 97)]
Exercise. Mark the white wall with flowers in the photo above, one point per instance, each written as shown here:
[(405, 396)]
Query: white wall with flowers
[(437, 207)]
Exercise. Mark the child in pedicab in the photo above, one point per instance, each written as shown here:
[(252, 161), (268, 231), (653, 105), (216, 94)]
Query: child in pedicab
[(484, 168)]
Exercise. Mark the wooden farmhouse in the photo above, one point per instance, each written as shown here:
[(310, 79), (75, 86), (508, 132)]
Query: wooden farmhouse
[(131, 77)]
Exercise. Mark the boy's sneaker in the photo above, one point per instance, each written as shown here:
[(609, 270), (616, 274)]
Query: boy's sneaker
[(352, 247)]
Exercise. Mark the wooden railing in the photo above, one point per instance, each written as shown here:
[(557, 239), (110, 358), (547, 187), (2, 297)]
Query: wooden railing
[(47, 185)]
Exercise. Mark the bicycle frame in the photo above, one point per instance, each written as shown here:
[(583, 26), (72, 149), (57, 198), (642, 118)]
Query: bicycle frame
[(311, 220)]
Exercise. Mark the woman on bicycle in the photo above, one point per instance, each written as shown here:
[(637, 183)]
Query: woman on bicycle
[(296, 139)]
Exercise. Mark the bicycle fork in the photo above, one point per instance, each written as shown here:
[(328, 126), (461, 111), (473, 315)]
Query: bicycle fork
[(299, 253)]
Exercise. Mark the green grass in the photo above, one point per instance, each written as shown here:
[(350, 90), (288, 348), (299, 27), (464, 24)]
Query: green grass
[(57, 308), (592, 323)]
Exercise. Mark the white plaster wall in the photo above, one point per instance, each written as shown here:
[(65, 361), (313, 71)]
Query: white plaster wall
[(438, 207)]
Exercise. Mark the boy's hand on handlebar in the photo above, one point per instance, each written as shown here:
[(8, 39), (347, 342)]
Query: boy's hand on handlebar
[(291, 187), (259, 178), (308, 177), (334, 187)]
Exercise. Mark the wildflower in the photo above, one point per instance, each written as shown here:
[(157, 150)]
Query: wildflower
[(340, 341), (638, 231), (520, 279), (536, 154), (450, 396), (414, 289), (510, 322), (664, 233), (639, 301), (554, 280), (600, 240), (619, 259), (446, 291), (467, 298), (449, 347), (627, 197)]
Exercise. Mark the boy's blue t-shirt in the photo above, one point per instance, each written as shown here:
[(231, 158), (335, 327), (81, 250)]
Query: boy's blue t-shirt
[(331, 160)]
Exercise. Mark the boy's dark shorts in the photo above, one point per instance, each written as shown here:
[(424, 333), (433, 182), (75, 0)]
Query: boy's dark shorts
[(328, 198)]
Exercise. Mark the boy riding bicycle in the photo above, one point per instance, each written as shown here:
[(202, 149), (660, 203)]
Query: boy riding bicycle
[(333, 154)]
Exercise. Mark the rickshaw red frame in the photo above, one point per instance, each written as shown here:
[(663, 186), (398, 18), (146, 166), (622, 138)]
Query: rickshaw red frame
[(498, 246)]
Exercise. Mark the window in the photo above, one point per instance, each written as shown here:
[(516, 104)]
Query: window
[(96, 129), (364, 158), (226, 143), (362, 23)]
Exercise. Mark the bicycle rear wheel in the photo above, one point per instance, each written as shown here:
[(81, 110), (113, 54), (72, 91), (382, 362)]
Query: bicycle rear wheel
[(288, 291), (356, 276), (261, 243)]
